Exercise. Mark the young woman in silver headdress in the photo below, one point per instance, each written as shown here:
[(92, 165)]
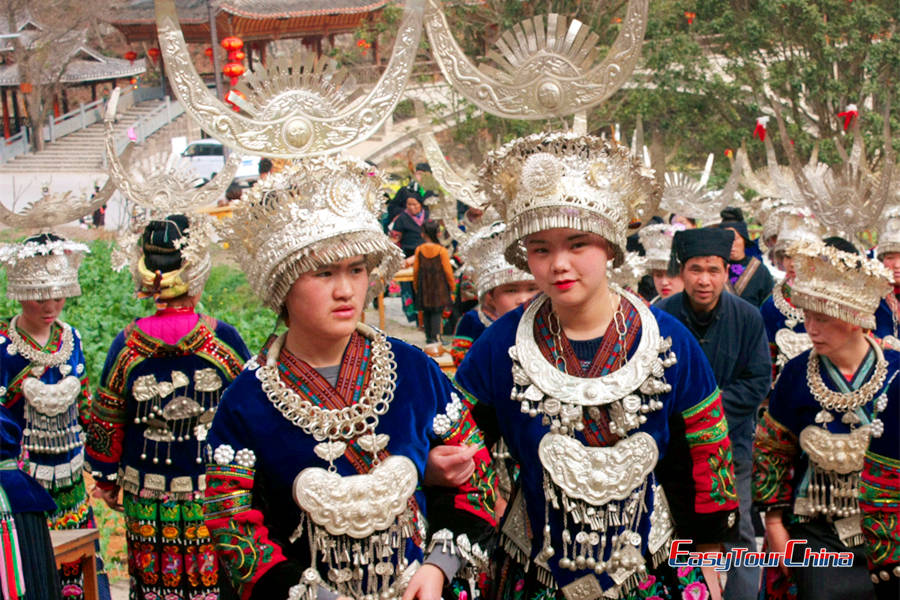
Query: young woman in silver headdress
[(161, 384), (44, 381), (500, 287), (318, 450), (826, 454), (608, 406)]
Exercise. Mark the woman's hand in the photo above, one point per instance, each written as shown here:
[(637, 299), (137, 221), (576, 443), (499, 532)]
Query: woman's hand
[(426, 584), (110, 496), (450, 466), (777, 536)]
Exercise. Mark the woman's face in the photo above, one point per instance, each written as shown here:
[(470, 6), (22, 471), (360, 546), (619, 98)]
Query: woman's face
[(327, 303), (39, 314), (413, 205), (568, 265), (508, 296), (829, 335), (666, 284)]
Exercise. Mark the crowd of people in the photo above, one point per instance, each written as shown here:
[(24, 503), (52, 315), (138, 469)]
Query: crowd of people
[(586, 430)]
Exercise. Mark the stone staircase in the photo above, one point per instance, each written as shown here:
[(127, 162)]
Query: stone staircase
[(83, 150)]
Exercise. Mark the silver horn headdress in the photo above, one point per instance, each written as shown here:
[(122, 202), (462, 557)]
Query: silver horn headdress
[(688, 197), (160, 187), (293, 118), (158, 190), (848, 198), (547, 66)]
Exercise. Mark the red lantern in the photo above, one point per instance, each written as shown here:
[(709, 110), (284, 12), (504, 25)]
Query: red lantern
[(153, 53), (690, 16), (238, 55), (26, 88), (232, 44), (233, 70), (131, 56), (208, 52)]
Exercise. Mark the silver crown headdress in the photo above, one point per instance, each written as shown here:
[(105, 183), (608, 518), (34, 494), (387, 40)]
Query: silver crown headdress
[(657, 242), (483, 253), (543, 67), (628, 275), (889, 232), (797, 225), (548, 181), (42, 271), (847, 198), (314, 212), (769, 212), (840, 284), (294, 107), (683, 195), (159, 189)]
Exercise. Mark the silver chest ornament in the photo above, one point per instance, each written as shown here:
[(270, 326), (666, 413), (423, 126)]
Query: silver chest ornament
[(51, 415), (836, 459), (602, 494), (173, 414)]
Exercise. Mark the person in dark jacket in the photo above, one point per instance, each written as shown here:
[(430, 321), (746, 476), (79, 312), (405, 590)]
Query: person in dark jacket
[(748, 277), (733, 337)]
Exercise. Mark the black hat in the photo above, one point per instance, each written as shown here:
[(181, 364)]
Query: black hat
[(731, 213), (707, 241), (423, 166), (739, 226)]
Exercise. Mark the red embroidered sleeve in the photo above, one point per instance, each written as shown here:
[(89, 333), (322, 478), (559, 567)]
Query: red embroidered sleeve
[(880, 505), (84, 403), (242, 540), (458, 349), (774, 450), (457, 428), (706, 432)]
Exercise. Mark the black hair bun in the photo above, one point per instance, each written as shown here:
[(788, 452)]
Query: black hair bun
[(158, 243)]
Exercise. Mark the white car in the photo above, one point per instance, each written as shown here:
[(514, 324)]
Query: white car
[(207, 156)]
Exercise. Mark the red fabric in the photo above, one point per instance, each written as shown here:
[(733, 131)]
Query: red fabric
[(710, 448)]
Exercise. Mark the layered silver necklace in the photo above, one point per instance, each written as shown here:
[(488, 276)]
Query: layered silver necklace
[(601, 493), (358, 526), (836, 459)]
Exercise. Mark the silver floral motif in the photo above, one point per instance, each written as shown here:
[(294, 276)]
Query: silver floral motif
[(223, 454)]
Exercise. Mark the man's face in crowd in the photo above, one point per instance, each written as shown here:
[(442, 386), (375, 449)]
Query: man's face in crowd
[(704, 279)]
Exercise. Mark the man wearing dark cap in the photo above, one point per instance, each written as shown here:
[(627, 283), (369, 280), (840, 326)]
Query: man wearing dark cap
[(748, 277), (732, 335)]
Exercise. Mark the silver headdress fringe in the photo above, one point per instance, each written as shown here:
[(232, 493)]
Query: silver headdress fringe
[(549, 181), (42, 271), (314, 212), (839, 284)]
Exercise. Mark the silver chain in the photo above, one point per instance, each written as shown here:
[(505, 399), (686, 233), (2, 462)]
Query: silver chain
[(837, 401), (349, 422), (39, 357)]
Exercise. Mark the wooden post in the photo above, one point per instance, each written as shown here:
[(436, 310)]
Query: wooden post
[(5, 113), (17, 117), (214, 41)]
